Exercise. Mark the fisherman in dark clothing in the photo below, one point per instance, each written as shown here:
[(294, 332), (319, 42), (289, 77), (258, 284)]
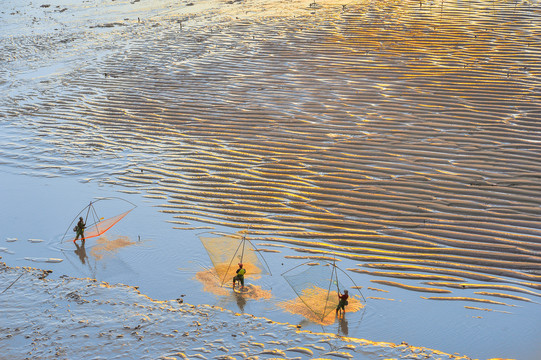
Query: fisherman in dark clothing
[(342, 302), (80, 230)]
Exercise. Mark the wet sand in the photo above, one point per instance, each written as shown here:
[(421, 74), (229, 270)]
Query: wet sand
[(82, 318), (399, 137)]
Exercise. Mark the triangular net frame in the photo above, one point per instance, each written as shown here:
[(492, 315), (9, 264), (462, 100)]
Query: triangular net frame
[(318, 285), (226, 251), (98, 225)]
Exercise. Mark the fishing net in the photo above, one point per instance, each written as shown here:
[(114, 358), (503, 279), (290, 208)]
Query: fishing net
[(99, 220), (227, 251), (102, 226), (317, 286)]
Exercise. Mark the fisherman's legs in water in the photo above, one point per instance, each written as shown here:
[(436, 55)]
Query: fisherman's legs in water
[(81, 234), (239, 279), (341, 307)]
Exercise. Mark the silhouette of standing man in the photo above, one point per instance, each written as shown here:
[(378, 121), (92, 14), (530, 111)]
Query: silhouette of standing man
[(80, 230), (342, 302)]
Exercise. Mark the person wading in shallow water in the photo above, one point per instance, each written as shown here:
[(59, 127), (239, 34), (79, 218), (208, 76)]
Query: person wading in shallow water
[(80, 230), (239, 277), (342, 302)]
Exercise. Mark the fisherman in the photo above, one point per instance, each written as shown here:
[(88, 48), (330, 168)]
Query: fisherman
[(342, 302), (240, 276), (80, 230)]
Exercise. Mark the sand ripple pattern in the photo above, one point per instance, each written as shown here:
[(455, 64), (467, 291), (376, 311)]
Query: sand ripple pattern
[(386, 132)]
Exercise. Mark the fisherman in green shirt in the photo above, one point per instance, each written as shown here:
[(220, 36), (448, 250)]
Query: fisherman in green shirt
[(240, 276), (80, 230)]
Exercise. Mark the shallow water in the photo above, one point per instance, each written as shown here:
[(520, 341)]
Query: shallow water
[(92, 319), (400, 137)]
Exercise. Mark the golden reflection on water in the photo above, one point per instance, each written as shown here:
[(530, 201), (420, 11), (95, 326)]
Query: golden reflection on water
[(212, 284), (106, 247), (318, 305)]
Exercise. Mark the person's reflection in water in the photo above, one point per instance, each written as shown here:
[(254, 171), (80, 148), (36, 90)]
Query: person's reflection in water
[(241, 302), (343, 326), (81, 252)]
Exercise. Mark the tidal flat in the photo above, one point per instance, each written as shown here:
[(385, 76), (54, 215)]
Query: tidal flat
[(398, 139)]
